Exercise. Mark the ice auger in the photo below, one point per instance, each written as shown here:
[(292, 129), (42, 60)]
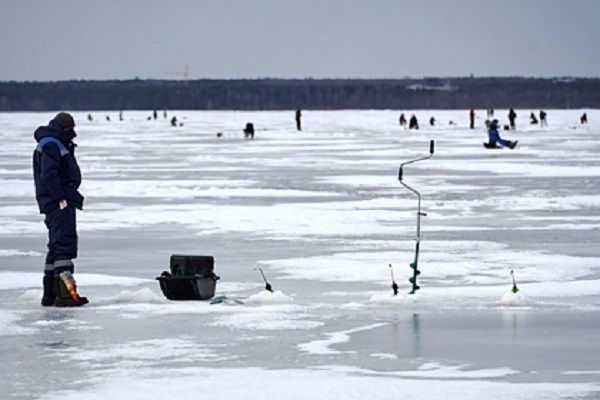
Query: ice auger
[(414, 264)]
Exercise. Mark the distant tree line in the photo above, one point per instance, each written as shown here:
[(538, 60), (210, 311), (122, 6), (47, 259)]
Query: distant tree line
[(286, 94)]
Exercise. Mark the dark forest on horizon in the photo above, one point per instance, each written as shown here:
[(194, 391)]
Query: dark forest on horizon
[(289, 94)]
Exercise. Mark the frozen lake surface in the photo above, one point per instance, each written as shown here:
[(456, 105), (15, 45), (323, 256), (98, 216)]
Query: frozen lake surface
[(322, 213)]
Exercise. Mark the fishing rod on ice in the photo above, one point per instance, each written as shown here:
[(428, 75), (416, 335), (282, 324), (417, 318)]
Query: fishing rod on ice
[(267, 284), (514, 289), (395, 286), (414, 264)]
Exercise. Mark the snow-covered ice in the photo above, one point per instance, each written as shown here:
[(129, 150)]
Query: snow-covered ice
[(322, 213)]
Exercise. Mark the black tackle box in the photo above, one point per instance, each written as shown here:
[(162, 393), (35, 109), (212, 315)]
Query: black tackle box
[(191, 278)]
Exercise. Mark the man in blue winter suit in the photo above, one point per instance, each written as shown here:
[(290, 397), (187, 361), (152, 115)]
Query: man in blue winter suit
[(494, 137), (57, 178)]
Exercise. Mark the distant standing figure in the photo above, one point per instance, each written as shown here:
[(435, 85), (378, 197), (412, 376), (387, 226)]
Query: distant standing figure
[(533, 119), (120, 115), (432, 121), (512, 115), (108, 118), (298, 121), (413, 123), (90, 118), (155, 114), (494, 137), (583, 119), (249, 131), (402, 120), (472, 118), (174, 121), (490, 113), (543, 121)]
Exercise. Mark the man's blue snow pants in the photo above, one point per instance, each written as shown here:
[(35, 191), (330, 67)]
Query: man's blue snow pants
[(62, 240), (494, 136)]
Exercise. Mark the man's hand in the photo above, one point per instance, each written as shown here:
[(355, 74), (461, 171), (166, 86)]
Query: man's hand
[(62, 204)]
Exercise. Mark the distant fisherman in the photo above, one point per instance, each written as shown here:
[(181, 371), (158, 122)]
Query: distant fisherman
[(402, 120), (413, 123), (512, 116), (472, 118), (533, 119), (543, 120), (249, 131), (57, 178)]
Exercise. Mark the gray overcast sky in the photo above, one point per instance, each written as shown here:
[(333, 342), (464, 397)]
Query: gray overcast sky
[(123, 39)]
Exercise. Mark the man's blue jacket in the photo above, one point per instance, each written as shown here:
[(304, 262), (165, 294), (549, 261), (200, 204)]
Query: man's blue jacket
[(55, 170)]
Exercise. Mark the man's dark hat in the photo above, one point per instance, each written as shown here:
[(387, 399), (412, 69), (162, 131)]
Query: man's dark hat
[(64, 120)]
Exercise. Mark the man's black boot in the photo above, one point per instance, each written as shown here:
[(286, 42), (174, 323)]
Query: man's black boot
[(49, 294), (66, 291)]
